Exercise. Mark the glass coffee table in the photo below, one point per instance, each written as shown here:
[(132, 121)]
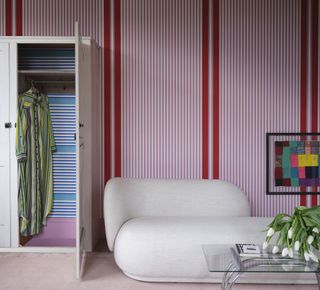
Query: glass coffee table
[(225, 259)]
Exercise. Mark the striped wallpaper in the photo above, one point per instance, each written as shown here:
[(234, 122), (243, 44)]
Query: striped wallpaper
[(2, 17), (313, 38), (260, 91), (161, 88), (57, 18), (157, 74)]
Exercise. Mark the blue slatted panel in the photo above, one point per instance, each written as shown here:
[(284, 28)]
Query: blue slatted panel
[(63, 118), (46, 58)]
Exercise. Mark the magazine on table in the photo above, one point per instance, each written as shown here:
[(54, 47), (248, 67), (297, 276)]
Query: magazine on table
[(254, 250), (249, 250)]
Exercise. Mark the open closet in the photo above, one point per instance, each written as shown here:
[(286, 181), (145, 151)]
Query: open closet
[(50, 70), (62, 71)]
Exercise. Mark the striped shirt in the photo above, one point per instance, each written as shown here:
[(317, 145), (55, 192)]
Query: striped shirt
[(34, 147)]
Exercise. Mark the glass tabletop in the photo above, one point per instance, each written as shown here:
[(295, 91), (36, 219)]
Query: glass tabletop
[(225, 258)]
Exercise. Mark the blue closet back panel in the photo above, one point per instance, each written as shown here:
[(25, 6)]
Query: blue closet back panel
[(46, 58), (63, 118)]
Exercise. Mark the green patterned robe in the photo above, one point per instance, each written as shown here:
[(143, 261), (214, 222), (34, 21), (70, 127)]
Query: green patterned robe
[(34, 147)]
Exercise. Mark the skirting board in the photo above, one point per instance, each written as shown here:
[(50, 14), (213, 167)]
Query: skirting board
[(52, 250)]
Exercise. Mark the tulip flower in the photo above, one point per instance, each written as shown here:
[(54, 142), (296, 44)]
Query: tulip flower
[(290, 253), (265, 245), (310, 239), (306, 256), (285, 252), (275, 250), (270, 232), (290, 233), (315, 230), (297, 245)]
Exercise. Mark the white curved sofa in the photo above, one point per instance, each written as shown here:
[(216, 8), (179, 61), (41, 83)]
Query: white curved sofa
[(156, 228)]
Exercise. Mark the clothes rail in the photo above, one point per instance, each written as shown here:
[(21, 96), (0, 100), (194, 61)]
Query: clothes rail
[(54, 82)]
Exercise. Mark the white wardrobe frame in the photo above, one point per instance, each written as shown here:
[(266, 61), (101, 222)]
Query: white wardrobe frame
[(90, 185)]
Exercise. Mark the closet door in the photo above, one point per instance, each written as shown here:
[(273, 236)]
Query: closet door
[(4, 147), (79, 150), (83, 85)]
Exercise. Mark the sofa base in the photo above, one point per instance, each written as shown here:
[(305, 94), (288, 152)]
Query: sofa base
[(168, 249)]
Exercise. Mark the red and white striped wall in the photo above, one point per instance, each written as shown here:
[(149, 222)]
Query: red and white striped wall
[(258, 87), (57, 18), (161, 89), (310, 74), (315, 75), (260, 91), (192, 86)]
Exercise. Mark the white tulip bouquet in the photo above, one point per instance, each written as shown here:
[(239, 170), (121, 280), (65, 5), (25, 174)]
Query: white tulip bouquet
[(299, 233)]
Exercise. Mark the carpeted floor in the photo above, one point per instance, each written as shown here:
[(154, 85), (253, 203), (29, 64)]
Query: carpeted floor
[(57, 272)]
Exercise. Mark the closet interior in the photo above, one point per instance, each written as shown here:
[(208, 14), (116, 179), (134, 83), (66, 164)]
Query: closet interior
[(50, 68)]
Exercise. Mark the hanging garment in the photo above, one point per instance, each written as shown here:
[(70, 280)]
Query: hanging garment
[(34, 147)]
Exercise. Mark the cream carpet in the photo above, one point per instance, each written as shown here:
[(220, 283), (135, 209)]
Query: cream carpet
[(57, 272)]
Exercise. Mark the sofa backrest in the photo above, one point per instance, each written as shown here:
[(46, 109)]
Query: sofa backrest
[(125, 199)]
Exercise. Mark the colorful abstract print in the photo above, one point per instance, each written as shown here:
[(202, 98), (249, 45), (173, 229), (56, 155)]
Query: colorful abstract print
[(297, 163)]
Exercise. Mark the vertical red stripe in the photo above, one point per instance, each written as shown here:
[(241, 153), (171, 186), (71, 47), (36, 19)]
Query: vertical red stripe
[(8, 17), (205, 87), (303, 85), (18, 17), (216, 113), (106, 53), (314, 80), (117, 43)]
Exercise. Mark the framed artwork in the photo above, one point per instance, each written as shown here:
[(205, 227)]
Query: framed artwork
[(293, 163)]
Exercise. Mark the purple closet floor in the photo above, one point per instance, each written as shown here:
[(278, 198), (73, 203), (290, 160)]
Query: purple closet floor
[(51, 243)]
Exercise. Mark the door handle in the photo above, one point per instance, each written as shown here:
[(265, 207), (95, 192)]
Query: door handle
[(8, 125)]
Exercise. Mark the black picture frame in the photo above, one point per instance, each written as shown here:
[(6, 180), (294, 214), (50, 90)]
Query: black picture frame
[(268, 135)]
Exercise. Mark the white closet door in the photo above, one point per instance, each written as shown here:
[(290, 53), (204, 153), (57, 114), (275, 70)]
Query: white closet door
[(79, 222), (83, 85), (4, 147)]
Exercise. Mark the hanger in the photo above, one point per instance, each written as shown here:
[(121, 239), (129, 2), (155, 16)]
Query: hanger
[(33, 88)]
